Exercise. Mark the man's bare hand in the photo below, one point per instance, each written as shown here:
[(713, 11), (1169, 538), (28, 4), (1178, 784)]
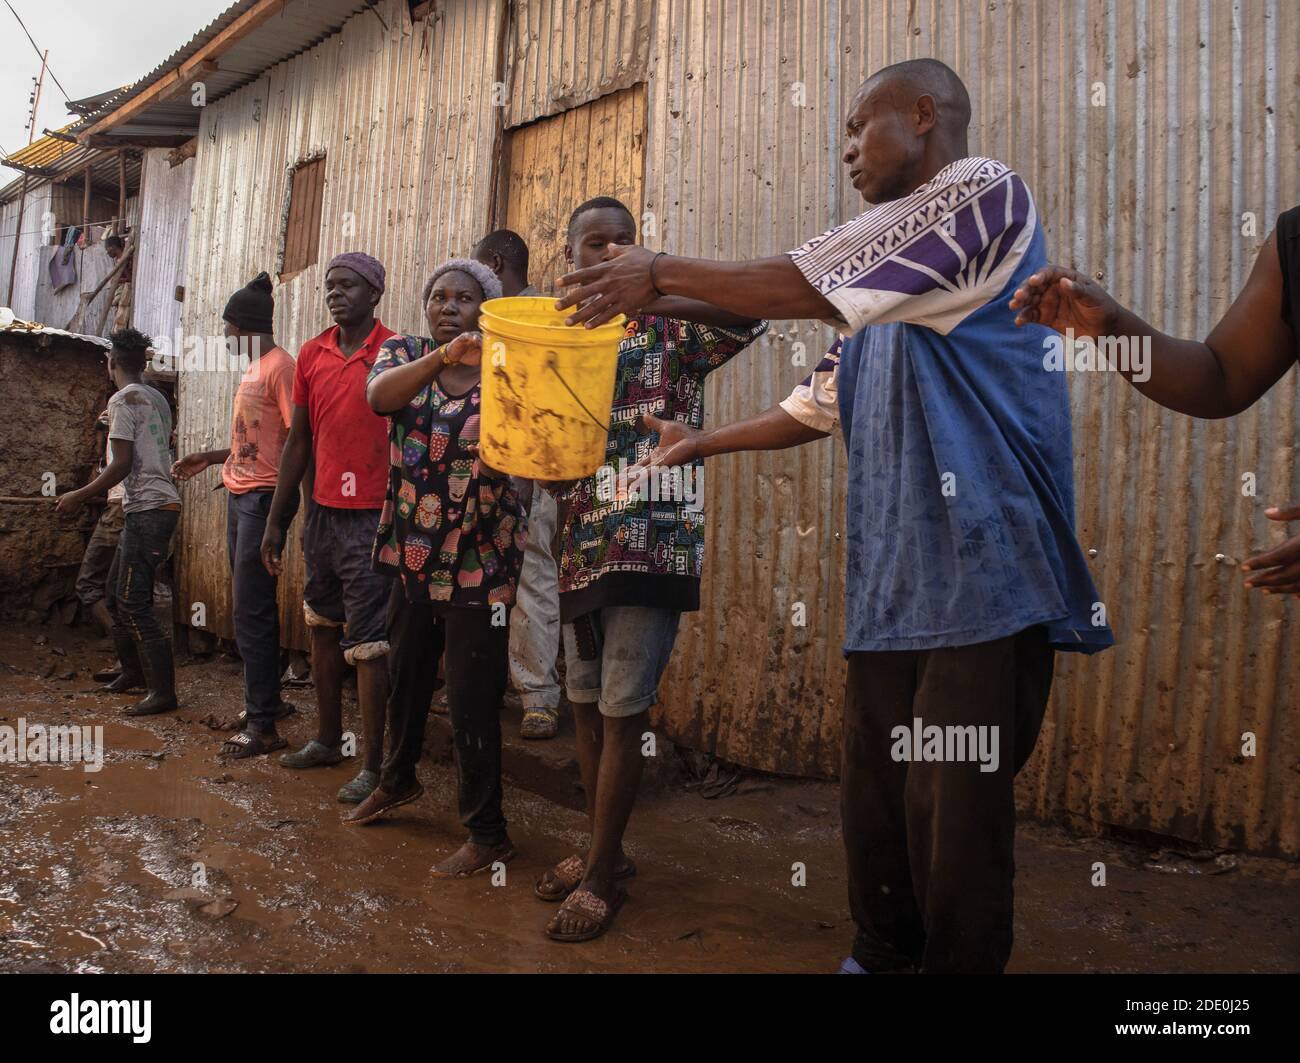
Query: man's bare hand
[(620, 285), (1277, 571), (272, 547), (679, 444), (1065, 299), (190, 465), (69, 503)]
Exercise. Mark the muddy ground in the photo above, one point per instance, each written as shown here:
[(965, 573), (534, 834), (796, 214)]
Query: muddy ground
[(98, 870)]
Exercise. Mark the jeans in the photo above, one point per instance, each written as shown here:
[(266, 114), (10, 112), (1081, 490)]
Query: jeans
[(144, 545), (97, 562), (257, 615), (614, 657), (535, 621), (930, 842), (476, 665)]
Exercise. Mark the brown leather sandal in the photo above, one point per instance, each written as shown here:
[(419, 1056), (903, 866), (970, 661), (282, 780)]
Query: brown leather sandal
[(566, 876), (597, 915)]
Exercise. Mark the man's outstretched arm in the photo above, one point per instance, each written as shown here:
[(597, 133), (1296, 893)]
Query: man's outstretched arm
[(810, 412), (759, 288), (680, 444), (1244, 355)]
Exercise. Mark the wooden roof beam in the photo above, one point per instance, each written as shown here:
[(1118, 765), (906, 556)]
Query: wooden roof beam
[(108, 141), (181, 78), (31, 171)]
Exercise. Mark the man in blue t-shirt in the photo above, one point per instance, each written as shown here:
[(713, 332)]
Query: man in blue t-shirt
[(963, 573)]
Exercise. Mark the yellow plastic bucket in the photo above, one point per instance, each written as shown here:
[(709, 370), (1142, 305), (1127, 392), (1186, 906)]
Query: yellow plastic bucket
[(547, 389)]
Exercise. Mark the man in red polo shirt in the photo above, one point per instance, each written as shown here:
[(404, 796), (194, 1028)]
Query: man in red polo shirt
[(345, 601)]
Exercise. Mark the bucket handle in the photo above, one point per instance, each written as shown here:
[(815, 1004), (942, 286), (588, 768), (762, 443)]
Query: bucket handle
[(594, 420)]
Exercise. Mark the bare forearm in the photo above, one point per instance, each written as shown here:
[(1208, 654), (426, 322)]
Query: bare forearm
[(394, 388), (773, 429), (759, 288), (1186, 376), (113, 475), (1246, 353), (294, 460)]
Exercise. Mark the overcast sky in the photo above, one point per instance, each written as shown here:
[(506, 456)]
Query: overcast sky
[(94, 45)]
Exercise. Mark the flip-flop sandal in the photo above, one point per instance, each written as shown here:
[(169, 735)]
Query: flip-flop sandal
[(564, 878), (503, 858), (243, 745), (598, 914), (313, 755), (383, 810), (540, 723)]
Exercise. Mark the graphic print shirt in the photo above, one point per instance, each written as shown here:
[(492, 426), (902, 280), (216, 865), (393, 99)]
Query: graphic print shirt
[(451, 529), (260, 423), (643, 551)]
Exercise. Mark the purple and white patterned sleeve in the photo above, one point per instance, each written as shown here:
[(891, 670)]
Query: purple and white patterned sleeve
[(931, 258), (815, 401)]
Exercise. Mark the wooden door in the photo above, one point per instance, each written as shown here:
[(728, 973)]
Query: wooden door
[(557, 163)]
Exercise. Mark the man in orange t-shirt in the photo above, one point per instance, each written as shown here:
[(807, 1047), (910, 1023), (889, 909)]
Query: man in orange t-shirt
[(249, 468)]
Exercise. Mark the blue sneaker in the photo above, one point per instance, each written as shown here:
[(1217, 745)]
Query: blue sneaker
[(851, 966)]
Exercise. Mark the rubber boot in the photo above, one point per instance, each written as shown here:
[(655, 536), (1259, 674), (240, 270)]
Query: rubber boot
[(131, 677), (160, 673)]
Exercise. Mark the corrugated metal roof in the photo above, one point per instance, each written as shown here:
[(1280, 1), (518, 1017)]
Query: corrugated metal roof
[(298, 26), (46, 151), (12, 327), (69, 160)]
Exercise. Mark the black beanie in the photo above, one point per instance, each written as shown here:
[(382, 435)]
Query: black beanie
[(252, 307)]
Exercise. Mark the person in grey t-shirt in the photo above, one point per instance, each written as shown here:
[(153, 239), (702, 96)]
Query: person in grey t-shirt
[(139, 434), (139, 414)]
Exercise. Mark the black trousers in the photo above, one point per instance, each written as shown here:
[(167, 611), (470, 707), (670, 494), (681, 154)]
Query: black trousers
[(930, 843), (477, 666)]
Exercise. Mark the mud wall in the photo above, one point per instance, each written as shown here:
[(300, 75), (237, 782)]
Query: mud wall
[(51, 391)]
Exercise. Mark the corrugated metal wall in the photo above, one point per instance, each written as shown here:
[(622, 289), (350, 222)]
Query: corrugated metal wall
[(163, 241), (93, 265), (746, 108), (406, 122), (565, 53), (34, 207), (33, 298)]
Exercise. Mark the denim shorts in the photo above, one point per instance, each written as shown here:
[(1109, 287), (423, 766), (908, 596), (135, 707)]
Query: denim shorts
[(342, 590), (614, 657)]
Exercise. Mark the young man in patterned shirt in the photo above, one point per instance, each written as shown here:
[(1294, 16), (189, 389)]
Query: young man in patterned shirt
[(630, 562)]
